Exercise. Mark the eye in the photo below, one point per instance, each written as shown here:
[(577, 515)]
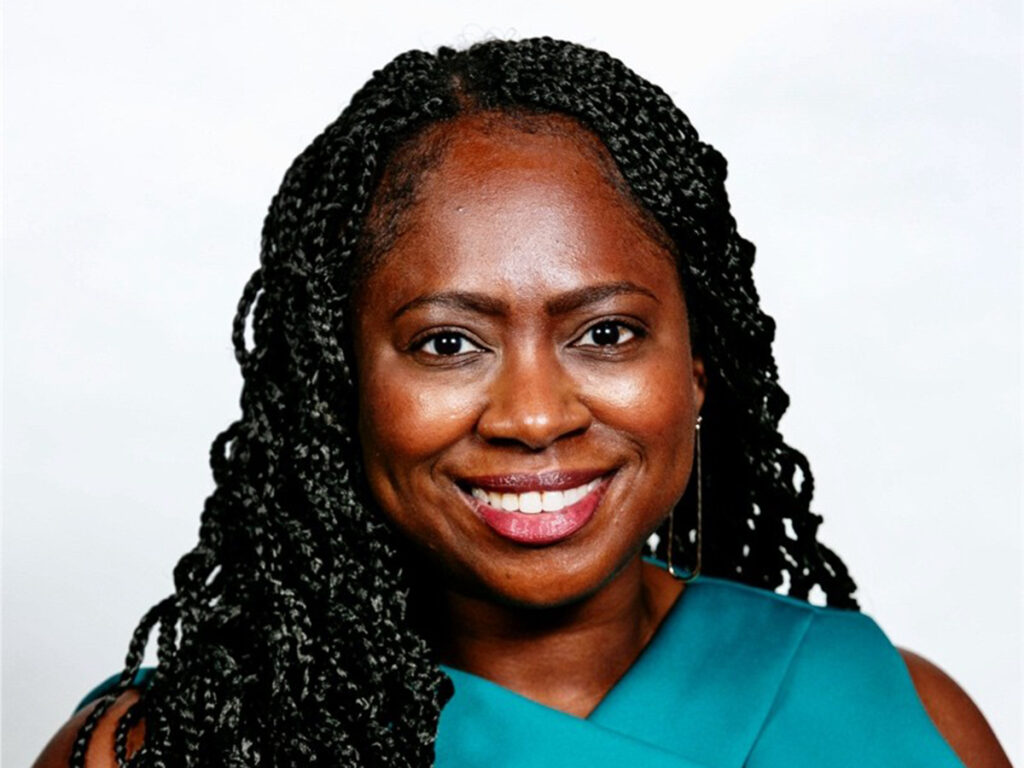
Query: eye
[(447, 344), (607, 333)]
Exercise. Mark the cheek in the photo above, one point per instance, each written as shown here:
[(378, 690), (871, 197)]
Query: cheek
[(653, 407), (407, 420), (654, 401)]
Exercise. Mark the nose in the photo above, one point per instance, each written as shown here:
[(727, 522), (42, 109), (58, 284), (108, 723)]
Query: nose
[(533, 401)]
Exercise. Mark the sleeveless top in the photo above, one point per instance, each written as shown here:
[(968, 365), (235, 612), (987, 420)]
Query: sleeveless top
[(734, 676)]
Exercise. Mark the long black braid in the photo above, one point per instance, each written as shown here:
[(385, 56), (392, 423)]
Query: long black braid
[(287, 640)]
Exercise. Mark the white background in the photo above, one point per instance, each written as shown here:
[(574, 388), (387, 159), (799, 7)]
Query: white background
[(875, 160)]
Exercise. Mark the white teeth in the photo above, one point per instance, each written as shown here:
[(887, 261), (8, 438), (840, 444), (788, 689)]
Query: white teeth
[(530, 502), (534, 501), (552, 501)]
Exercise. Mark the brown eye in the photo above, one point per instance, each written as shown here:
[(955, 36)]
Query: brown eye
[(447, 344), (606, 334)]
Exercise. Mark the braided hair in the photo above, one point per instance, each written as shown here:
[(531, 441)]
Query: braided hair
[(288, 639)]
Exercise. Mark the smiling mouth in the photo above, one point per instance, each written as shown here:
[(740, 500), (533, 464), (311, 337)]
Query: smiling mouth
[(537, 509), (533, 502)]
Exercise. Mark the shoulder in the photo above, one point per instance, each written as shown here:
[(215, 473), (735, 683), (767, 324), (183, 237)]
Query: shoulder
[(841, 694), (100, 753), (749, 599), (957, 717), (839, 645)]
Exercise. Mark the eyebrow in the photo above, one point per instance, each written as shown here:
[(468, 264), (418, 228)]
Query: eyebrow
[(479, 303), (483, 304), (591, 294)]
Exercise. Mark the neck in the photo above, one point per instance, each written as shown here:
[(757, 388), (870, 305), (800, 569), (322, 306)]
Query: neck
[(567, 657)]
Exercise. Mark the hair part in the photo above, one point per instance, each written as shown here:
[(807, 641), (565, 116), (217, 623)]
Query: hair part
[(411, 163)]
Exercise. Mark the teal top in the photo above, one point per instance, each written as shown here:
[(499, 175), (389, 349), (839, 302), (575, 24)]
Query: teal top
[(734, 676)]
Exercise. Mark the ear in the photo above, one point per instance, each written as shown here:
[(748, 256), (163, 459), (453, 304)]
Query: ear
[(700, 383)]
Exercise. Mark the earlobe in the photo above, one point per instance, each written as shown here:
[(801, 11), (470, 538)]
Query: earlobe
[(700, 383)]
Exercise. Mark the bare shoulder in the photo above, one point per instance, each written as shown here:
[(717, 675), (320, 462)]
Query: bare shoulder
[(957, 717), (57, 753)]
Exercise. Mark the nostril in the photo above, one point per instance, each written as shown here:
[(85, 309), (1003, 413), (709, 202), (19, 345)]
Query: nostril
[(532, 404), (535, 441), (517, 443)]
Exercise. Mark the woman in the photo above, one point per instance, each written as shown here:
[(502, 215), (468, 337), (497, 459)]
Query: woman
[(504, 330)]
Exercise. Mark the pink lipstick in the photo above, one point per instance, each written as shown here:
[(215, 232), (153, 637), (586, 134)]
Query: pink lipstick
[(537, 509)]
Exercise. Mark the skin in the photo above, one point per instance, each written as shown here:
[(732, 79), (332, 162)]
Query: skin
[(100, 753), (957, 717), (529, 226), (522, 223)]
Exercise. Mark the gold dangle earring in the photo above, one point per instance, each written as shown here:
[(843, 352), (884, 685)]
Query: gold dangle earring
[(695, 571), (671, 543)]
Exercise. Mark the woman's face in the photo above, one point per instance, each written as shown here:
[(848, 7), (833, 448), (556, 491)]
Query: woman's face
[(528, 394)]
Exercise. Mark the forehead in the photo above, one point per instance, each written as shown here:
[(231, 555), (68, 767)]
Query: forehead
[(498, 198)]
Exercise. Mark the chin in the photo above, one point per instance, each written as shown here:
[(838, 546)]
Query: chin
[(540, 579)]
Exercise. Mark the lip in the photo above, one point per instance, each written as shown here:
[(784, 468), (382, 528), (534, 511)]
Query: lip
[(541, 528), (524, 482)]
